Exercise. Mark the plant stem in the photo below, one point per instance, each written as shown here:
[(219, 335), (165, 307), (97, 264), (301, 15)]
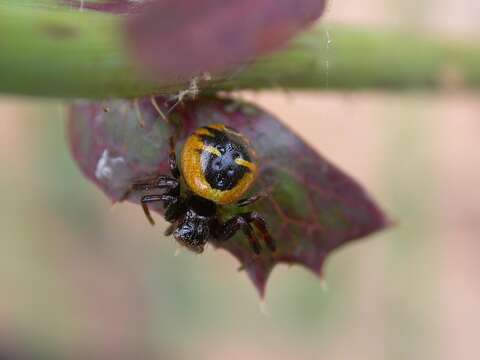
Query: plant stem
[(361, 59), (58, 52), (64, 53)]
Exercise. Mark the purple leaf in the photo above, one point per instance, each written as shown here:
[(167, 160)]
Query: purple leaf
[(312, 209), (178, 39)]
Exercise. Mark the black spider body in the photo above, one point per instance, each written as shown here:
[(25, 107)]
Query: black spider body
[(194, 227), (218, 167)]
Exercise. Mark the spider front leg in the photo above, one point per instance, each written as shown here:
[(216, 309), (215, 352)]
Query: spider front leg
[(161, 182), (174, 206), (170, 198)]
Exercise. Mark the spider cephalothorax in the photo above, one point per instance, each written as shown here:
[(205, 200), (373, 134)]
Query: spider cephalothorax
[(218, 165)]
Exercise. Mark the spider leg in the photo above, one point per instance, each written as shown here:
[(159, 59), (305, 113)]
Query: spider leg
[(159, 182), (236, 223), (259, 222), (170, 229), (172, 158), (174, 208), (147, 199), (250, 200)]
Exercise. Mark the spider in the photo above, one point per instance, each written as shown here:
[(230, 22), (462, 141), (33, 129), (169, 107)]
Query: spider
[(218, 167)]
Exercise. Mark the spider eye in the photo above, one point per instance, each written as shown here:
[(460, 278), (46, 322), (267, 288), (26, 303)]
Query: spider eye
[(230, 171)]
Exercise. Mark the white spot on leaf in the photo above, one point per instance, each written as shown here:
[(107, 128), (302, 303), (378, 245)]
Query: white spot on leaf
[(107, 165)]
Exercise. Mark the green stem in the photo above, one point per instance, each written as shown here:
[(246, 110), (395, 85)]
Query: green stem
[(64, 53), (360, 59)]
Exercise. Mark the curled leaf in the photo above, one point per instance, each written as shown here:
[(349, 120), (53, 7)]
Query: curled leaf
[(179, 39), (312, 207)]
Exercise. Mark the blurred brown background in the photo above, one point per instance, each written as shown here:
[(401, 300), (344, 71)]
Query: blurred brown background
[(78, 277)]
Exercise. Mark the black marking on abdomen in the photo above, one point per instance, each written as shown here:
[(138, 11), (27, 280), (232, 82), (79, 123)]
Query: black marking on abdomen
[(222, 172)]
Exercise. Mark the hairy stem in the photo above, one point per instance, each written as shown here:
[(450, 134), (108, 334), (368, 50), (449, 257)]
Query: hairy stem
[(60, 52)]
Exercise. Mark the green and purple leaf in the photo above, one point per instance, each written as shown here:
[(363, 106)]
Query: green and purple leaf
[(312, 207)]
